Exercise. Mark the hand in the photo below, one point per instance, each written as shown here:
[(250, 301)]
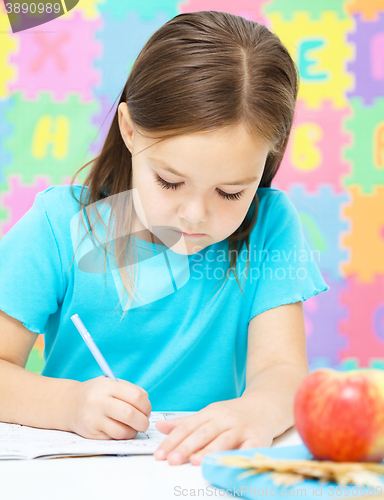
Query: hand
[(102, 408), (224, 425)]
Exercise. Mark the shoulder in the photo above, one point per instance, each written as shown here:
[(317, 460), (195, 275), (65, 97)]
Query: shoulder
[(274, 203), (59, 199), (60, 206), (271, 195), (276, 214)]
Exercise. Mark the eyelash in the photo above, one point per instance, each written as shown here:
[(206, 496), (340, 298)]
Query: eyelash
[(166, 185)]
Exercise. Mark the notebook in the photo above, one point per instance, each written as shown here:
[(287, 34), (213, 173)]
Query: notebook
[(261, 485), (18, 442)]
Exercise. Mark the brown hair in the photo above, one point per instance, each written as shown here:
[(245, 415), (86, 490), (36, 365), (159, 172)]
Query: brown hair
[(201, 71)]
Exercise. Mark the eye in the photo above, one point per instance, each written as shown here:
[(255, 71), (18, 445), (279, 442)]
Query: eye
[(167, 185), (234, 196)]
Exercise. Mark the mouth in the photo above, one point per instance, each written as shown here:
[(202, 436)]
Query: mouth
[(192, 235)]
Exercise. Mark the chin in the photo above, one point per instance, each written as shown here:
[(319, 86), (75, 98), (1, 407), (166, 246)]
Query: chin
[(186, 249)]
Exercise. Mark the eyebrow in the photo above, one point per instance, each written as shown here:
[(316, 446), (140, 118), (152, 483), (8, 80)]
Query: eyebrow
[(165, 166)]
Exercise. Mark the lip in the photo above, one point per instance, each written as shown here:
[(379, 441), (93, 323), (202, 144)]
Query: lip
[(192, 235)]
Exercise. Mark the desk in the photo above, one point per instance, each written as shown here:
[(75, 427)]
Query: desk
[(135, 477)]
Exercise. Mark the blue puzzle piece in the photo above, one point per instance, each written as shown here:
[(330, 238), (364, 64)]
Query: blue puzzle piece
[(147, 10), (316, 211), (5, 132), (123, 40)]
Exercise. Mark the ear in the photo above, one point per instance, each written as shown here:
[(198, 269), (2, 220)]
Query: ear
[(125, 125)]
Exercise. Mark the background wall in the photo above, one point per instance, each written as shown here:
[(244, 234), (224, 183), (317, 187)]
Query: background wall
[(58, 82)]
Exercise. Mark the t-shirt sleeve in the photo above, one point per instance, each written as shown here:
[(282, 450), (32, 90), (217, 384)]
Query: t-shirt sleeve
[(286, 270), (31, 284)]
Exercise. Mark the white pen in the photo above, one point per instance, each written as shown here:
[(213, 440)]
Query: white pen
[(92, 346)]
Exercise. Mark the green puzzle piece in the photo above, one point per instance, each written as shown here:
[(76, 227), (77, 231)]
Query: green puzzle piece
[(363, 124), (315, 9), (51, 138), (35, 361)]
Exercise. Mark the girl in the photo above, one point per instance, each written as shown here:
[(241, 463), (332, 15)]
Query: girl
[(178, 201)]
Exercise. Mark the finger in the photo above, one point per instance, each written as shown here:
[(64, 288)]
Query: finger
[(133, 394), (197, 440), (166, 426), (228, 440), (117, 430), (254, 442), (126, 414), (96, 435), (179, 433), (103, 435)]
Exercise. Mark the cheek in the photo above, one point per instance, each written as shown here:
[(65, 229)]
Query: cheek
[(233, 215), (156, 204)]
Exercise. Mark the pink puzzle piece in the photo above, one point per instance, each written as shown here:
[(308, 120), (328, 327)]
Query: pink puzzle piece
[(60, 62), (364, 329), (20, 198)]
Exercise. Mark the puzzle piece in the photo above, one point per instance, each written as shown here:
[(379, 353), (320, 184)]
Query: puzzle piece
[(35, 362), (366, 237), (55, 137), (60, 62), (315, 9), (316, 210), (322, 323), (369, 10), (90, 9), (253, 10), (368, 65), (365, 302), (102, 121), (3, 214), (353, 364), (146, 11), (9, 44), (320, 362), (19, 199), (122, 40), (321, 51), (378, 321), (367, 149), (6, 131), (314, 153), (39, 345)]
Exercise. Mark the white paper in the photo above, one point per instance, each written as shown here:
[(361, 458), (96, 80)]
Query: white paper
[(23, 442)]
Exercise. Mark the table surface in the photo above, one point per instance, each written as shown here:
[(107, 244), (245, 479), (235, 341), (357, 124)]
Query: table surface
[(136, 477)]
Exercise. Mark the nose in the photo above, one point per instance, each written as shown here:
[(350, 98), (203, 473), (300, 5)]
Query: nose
[(193, 209)]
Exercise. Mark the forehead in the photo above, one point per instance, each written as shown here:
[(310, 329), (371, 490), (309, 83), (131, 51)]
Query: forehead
[(225, 142)]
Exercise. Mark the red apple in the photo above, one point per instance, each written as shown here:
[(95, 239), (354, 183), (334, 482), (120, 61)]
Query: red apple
[(340, 415)]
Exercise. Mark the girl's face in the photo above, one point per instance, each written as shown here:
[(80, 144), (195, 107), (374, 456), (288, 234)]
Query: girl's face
[(200, 183)]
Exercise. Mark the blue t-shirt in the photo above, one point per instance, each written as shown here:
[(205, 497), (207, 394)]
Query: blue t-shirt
[(184, 345)]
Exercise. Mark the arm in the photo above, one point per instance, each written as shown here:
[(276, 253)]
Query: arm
[(276, 363), (99, 408), (27, 398), (272, 391)]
